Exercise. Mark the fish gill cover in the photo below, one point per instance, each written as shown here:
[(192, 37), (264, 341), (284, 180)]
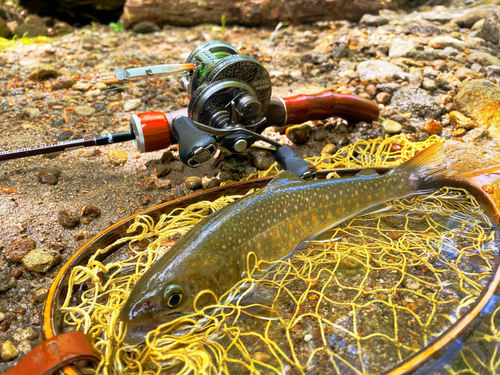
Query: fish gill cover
[(361, 299)]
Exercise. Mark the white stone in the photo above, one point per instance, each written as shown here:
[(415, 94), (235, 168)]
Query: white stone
[(131, 104), (401, 48)]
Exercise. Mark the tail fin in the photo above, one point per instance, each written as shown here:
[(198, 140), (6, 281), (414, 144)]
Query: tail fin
[(427, 169)]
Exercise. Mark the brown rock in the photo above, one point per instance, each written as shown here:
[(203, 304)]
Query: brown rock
[(31, 27), (262, 160), (7, 281), (432, 127), (193, 182), (329, 149), (43, 72), (41, 295), (68, 219), (49, 176), (479, 100), (299, 134), (167, 157), (208, 183), (383, 97), (460, 121), (17, 250), (91, 211), (41, 260)]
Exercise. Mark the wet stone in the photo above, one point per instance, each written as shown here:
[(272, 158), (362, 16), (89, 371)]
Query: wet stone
[(446, 41), (479, 100), (417, 101), (43, 72), (2, 317), (131, 104), (49, 176), (84, 110), (329, 149), (162, 184), (461, 121), (483, 59), (373, 20), (429, 84), (299, 134), (167, 157), (162, 170), (68, 219), (40, 295), (81, 86), (41, 260), (145, 27), (91, 211), (18, 249), (28, 333), (24, 347), (383, 97), (31, 113), (9, 351), (382, 71), (7, 281), (391, 127), (491, 28), (261, 357), (117, 157), (208, 183), (402, 48), (432, 127), (63, 135), (262, 160), (193, 182)]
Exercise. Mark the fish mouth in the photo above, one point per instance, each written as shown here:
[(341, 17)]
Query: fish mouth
[(138, 330)]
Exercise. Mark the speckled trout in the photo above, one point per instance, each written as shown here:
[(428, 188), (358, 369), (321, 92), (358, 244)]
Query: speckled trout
[(270, 222)]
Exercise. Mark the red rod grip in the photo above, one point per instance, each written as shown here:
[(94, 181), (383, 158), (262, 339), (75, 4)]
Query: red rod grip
[(302, 108)]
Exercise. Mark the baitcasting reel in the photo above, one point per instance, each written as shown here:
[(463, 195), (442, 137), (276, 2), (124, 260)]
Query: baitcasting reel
[(230, 95)]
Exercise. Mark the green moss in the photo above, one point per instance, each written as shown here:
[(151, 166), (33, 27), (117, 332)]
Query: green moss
[(6, 43)]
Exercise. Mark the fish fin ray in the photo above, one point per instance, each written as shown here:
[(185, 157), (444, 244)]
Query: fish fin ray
[(282, 179), (367, 172)]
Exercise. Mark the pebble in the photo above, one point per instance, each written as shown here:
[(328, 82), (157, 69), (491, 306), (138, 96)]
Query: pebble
[(483, 58), (209, 183), (261, 357), (91, 211), (117, 157), (9, 351), (131, 104), (49, 176), (40, 295), (461, 121), (429, 84), (262, 160), (296, 73), (63, 84), (463, 73), (18, 249), (145, 27), (162, 170), (476, 135), (31, 112), (329, 149), (402, 48), (446, 41), (308, 337), (28, 333), (162, 184), (491, 28), (84, 110), (373, 20), (479, 100), (379, 70), (193, 182), (383, 97), (24, 347), (43, 72), (41, 260), (82, 86), (63, 135), (2, 317), (167, 157), (392, 127), (432, 127), (7, 281), (68, 219), (299, 134), (471, 16)]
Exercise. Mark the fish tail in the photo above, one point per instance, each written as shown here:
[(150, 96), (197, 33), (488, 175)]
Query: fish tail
[(426, 170)]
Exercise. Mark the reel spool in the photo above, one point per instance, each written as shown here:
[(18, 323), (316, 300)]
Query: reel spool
[(226, 88)]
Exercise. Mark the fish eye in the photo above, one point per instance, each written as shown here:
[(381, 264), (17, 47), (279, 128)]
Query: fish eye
[(173, 296)]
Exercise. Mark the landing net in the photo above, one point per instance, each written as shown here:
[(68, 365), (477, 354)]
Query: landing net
[(359, 300)]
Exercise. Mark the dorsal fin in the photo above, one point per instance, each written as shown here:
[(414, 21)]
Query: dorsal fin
[(282, 179)]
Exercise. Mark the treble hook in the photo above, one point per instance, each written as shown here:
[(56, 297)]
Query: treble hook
[(149, 74)]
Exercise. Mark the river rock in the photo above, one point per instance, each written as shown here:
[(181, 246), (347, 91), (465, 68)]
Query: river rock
[(483, 58), (18, 249), (43, 72), (460, 121), (382, 71), (68, 219), (402, 48), (463, 73), (193, 182), (117, 157), (31, 27), (471, 16), (145, 27), (391, 127), (479, 99), (208, 183), (373, 20), (417, 101), (9, 351), (439, 14), (28, 333), (446, 41), (299, 134), (49, 176), (262, 160), (60, 28), (41, 260), (82, 86), (491, 28), (91, 211), (7, 281), (131, 104), (84, 110)]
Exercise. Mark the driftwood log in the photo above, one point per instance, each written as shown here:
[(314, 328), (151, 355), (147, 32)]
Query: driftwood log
[(251, 12)]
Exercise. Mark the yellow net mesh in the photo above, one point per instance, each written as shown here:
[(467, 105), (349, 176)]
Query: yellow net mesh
[(361, 299)]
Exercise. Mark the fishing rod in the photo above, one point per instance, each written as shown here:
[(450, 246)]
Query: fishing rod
[(230, 105)]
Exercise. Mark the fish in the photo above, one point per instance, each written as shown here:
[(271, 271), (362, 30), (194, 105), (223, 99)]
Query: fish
[(270, 222)]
